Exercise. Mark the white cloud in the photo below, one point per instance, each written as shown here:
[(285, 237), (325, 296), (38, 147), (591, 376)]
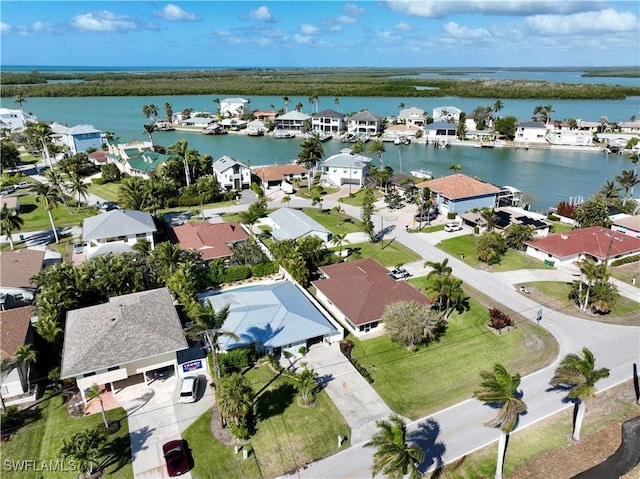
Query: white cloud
[(302, 39), (308, 29), (346, 20), (4, 28), (41, 27), (353, 9), (403, 27), (583, 23), (442, 8), (457, 31), (103, 21), (335, 29), (386, 35), (261, 14), (174, 13)]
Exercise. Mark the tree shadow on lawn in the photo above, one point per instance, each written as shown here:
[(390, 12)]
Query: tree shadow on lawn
[(116, 453), (426, 438), (274, 402)]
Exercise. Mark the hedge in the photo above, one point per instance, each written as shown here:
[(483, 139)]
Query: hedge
[(627, 260), (265, 268), (236, 273)]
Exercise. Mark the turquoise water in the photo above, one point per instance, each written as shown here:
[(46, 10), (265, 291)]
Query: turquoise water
[(548, 176)]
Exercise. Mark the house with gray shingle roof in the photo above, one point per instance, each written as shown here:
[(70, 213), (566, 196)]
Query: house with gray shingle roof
[(328, 121), (232, 174), (119, 229), (531, 132), (345, 168), (289, 223), (291, 121), (130, 335), (364, 122)]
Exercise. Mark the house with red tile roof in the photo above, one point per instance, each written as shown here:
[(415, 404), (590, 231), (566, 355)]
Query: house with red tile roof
[(596, 242), (211, 240), (15, 330), (357, 293), (460, 193)]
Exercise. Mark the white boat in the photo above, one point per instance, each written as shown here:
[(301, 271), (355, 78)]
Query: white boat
[(280, 134), (422, 174), (402, 140)]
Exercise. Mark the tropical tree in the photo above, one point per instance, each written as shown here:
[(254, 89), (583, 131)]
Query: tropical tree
[(517, 234), (79, 188), (95, 392), (235, 397), (498, 387), (83, 448), (491, 247), (358, 147), (395, 456), (310, 154), (149, 128), (10, 222), (299, 106), (609, 190), (339, 239), (490, 218), (448, 294), (377, 148), (498, 106), (26, 355), (306, 380), (627, 179), (461, 129), (50, 196), (593, 212), (286, 101), (455, 167), (338, 209), (542, 113), (412, 324), (133, 193), (168, 111), (314, 99), (438, 268), (577, 374), (285, 200), (150, 112), (38, 133), (208, 322), (181, 150), (366, 213), (9, 155), (20, 99), (336, 102), (592, 271)]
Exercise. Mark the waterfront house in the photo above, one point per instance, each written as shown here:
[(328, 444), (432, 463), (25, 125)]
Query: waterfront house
[(231, 174), (506, 216), (440, 132), (292, 224), (117, 231), (265, 115), (279, 176), (15, 330), (357, 293), (212, 241), (15, 120), (233, 107), (596, 242), (17, 267), (345, 168), (459, 193), (199, 121), (413, 116), (446, 114), (80, 138), (629, 126), (291, 121), (565, 136), (135, 157), (627, 224), (530, 132), (275, 318), (129, 336), (327, 121), (364, 122)]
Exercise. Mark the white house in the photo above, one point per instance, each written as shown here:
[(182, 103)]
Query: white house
[(288, 223), (364, 122), (116, 231), (440, 131), (81, 138), (446, 114), (15, 120), (233, 107), (570, 137), (413, 117), (531, 132), (231, 174), (328, 121), (292, 121), (345, 168)]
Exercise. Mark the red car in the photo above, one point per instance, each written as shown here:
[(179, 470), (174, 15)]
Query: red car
[(176, 457)]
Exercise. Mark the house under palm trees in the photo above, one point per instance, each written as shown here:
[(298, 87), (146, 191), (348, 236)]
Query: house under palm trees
[(16, 331)]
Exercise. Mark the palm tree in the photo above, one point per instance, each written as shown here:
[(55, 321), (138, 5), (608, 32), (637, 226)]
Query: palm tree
[(51, 198), (150, 112), (579, 376), (592, 271), (95, 392), (80, 188), (438, 268), (609, 190), (286, 101), (10, 222), (314, 99), (395, 457), (498, 387), (216, 100), (401, 105), (336, 102), (132, 193), (338, 209), (20, 99), (48, 327), (39, 133), (26, 355), (310, 154), (84, 448), (627, 180), (299, 106), (490, 217), (455, 167), (208, 322), (449, 294), (149, 128), (168, 111), (307, 384), (285, 200), (377, 147), (235, 397), (498, 106), (181, 149), (339, 239)]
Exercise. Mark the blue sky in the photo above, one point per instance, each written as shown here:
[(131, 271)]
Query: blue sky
[(429, 33)]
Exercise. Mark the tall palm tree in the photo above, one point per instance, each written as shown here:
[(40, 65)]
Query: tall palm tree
[(9, 222), (168, 111), (235, 397), (339, 239), (132, 193), (490, 217), (150, 112), (314, 99), (20, 99), (149, 128), (336, 102), (579, 376), (609, 190), (79, 188), (216, 100), (498, 106), (38, 134), (51, 198), (181, 149), (377, 148), (208, 322), (299, 106), (93, 393), (286, 101), (26, 354), (501, 388), (591, 271), (438, 268), (627, 179), (310, 154), (395, 456), (48, 328)]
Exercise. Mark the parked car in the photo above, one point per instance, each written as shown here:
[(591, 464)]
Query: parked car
[(176, 458), (431, 215), (399, 273), (106, 205), (78, 248), (451, 227), (162, 373), (189, 389), (22, 185), (7, 191)]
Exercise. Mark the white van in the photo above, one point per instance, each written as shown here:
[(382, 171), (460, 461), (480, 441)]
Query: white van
[(189, 389)]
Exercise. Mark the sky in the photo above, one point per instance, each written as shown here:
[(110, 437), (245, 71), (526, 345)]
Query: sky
[(321, 33)]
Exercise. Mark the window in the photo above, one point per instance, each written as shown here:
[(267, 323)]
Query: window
[(113, 368), (89, 374)]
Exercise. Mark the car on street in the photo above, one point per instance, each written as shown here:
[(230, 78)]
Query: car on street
[(451, 227), (106, 205), (189, 389), (399, 273), (176, 458), (78, 248), (22, 185), (7, 191)]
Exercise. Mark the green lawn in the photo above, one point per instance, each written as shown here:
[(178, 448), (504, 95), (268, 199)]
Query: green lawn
[(388, 253), (418, 383), (512, 260), (287, 435), (426, 228), (108, 191), (41, 440), (337, 224), (36, 217), (356, 198)]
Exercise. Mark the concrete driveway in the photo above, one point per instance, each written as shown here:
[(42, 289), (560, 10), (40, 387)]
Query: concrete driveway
[(156, 417)]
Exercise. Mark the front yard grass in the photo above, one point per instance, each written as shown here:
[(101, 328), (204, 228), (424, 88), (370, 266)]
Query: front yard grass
[(337, 224), (512, 260), (287, 435), (36, 218), (418, 383), (107, 191), (41, 440), (387, 253), (355, 199)]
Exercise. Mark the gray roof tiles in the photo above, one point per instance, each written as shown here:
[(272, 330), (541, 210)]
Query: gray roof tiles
[(293, 224), (117, 223)]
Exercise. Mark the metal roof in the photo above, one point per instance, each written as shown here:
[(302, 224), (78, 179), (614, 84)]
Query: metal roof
[(293, 224), (117, 223)]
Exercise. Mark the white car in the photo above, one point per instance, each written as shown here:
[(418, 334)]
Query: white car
[(451, 227), (189, 389)]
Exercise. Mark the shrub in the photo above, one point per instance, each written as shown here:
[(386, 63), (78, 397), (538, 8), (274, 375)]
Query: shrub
[(552, 217), (236, 273), (627, 260), (255, 187), (451, 216), (98, 181), (265, 268), (498, 319), (110, 172), (362, 370), (303, 350), (11, 418), (567, 209), (236, 359)]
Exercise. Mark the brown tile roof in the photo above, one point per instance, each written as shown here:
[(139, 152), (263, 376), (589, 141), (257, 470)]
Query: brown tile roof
[(361, 289), (14, 326), (629, 222), (98, 156), (459, 186), (277, 172), (596, 241), (17, 267), (210, 239)]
